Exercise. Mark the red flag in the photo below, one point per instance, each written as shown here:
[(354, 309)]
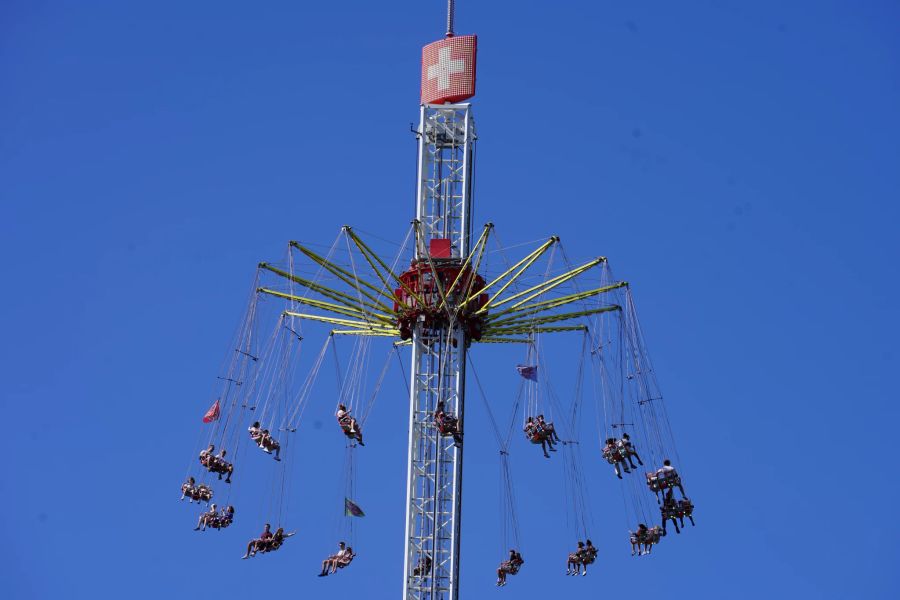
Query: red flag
[(212, 414), (448, 70), (527, 371)]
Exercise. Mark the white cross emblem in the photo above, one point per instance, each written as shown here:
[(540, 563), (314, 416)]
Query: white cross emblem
[(444, 68)]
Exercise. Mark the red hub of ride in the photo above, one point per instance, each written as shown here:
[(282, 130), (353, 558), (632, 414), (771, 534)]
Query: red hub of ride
[(419, 299)]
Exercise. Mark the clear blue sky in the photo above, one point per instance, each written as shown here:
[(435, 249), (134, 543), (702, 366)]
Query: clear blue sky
[(738, 162)]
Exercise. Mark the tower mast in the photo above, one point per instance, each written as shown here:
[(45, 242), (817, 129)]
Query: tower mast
[(440, 336)]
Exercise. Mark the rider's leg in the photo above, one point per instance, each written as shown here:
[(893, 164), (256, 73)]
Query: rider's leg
[(635, 454)]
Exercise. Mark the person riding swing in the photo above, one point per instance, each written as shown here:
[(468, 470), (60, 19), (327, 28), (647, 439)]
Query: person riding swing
[(585, 555), (257, 543), (349, 425), (192, 491), (337, 561), (447, 424), (670, 510), (423, 567), (548, 430), (615, 456), (510, 566), (537, 436), (665, 478), (264, 440), (267, 542), (629, 451)]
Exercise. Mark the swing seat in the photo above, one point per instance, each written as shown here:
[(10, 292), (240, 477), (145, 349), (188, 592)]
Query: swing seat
[(345, 562), (220, 522), (658, 482), (613, 455), (511, 567), (200, 493), (348, 425), (447, 425), (575, 557), (217, 465), (270, 545), (685, 508), (268, 444), (536, 437)]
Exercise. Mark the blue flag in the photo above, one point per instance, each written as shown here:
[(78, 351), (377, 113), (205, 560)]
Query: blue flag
[(352, 509)]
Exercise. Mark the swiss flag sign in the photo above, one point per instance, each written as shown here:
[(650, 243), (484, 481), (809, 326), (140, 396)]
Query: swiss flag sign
[(448, 70)]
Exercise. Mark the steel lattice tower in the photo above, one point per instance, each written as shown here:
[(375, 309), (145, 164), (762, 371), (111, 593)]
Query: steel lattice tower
[(446, 137)]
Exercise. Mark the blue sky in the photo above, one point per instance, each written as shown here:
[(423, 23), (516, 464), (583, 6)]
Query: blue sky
[(737, 162)]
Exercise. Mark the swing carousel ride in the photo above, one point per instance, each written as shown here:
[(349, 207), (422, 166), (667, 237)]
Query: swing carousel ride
[(447, 288)]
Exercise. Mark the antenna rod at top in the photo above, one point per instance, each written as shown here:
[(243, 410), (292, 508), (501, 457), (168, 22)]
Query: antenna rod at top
[(451, 6)]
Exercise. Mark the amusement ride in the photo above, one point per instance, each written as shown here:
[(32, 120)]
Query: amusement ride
[(450, 285)]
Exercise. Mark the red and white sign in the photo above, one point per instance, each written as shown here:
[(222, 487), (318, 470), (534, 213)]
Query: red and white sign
[(448, 70)]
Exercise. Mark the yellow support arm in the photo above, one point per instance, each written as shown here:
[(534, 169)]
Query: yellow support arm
[(336, 321), (479, 247), (394, 333), (343, 310), (546, 286), (343, 275), (367, 252), (335, 295), (527, 322), (527, 262), (543, 305), (530, 330)]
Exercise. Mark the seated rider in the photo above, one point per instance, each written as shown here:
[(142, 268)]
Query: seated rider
[(686, 509), (548, 429), (585, 555), (257, 543), (225, 517), (573, 565), (423, 567), (206, 456), (669, 510), (349, 424), (509, 566), (639, 539), (614, 455), (588, 555), (268, 443), (219, 465), (653, 536), (329, 565), (536, 436), (446, 423), (628, 447), (344, 560), (207, 518), (277, 540), (187, 489), (668, 472)]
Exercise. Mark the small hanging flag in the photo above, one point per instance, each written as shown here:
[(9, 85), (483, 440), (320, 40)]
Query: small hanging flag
[(527, 371), (212, 414), (351, 509)]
